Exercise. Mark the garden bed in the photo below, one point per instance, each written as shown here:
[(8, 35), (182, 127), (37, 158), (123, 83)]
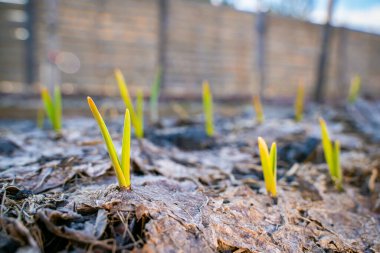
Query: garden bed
[(191, 193)]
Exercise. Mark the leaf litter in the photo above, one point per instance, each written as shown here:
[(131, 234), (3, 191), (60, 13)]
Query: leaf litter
[(59, 193)]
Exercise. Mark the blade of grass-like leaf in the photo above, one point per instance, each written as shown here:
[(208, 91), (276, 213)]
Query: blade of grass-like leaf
[(273, 164), (126, 98), (108, 140), (327, 146), (210, 113), (154, 94), (354, 89), (140, 114), (126, 149), (265, 162), (48, 104), (207, 108), (298, 105), (337, 170), (258, 109), (123, 88), (57, 108)]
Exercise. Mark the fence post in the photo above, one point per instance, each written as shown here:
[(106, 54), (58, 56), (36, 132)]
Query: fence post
[(30, 47), (50, 74), (342, 79), (260, 50), (321, 78), (163, 38)]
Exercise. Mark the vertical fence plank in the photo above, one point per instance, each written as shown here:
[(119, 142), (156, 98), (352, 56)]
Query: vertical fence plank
[(30, 46), (163, 38), (260, 53), (321, 78)]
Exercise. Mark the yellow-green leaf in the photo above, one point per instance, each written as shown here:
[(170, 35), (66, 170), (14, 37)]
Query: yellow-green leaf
[(154, 94), (126, 98), (273, 164), (273, 160), (108, 140), (338, 177), (48, 104), (57, 108), (299, 103), (354, 89), (327, 146), (258, 109), (265, 163), (332, 155), (126, 149), (140, 114), (207, 109)]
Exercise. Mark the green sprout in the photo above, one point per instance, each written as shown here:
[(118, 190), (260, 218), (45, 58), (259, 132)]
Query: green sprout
[(136, 116), (299, 103), (258, 109), (269, 164), (154, 94), (332, 155), (122, 168), (207, 109), (140, 114), (53, 107), (354, 91)]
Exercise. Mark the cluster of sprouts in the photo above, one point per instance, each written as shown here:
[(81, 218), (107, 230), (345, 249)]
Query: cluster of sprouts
[(332, 155), (269, 164), (53, 107), (122, 168), (134, 115)]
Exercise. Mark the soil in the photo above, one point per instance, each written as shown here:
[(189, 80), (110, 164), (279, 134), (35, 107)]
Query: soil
[(192, 193)]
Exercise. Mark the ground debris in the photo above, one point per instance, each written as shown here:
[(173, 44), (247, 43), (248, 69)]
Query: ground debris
[(58, 193)]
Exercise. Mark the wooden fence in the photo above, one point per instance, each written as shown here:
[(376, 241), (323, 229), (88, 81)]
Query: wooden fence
[(191, 41)]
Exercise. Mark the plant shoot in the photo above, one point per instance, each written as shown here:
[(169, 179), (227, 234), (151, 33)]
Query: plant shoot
[(269, 164), (208, 109), (332, 155), (299, 103), (122, 168), (258, 109), (139, 114), (53, 107), (136, 117), (354, 91), (154, 95)]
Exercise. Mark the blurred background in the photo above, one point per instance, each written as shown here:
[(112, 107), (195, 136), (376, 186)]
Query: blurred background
[(243, 47)]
